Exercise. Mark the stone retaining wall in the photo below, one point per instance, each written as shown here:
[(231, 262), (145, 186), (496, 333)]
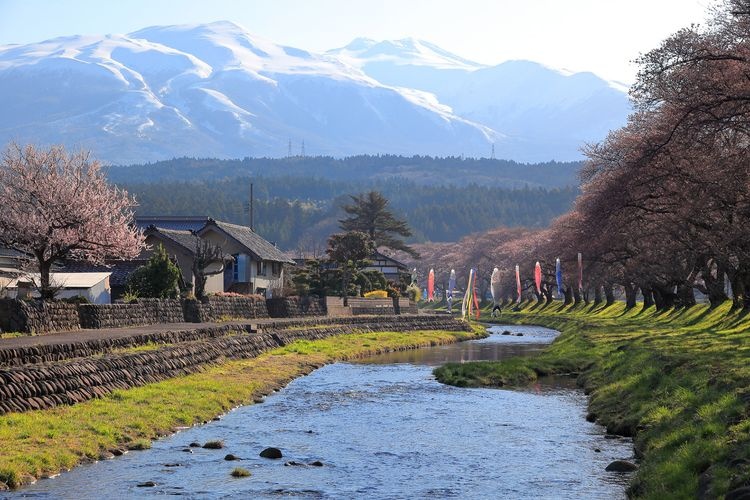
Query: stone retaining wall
[(296, 307), (39, 386), (142, 312), (38, 317), (237, 307)]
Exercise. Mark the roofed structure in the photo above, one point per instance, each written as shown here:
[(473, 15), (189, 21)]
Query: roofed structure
[(258, 247)]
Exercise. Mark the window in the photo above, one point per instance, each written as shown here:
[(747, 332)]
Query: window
[(260, 268), (276, 268)]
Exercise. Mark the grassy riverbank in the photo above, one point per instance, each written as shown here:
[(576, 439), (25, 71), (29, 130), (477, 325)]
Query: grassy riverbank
[(39, 443), (679, 382)]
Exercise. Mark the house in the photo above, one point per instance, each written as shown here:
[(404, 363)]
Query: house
[(390, 267), (93, 286), (258, 265)]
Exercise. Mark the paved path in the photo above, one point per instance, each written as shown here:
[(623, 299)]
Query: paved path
[(116, 333)]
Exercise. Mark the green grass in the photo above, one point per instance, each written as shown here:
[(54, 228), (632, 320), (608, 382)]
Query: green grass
[(37, 443), (240, 472), (679, 382)]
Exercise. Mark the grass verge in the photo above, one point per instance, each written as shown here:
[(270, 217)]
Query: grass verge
[(38, 443), (678, 382)]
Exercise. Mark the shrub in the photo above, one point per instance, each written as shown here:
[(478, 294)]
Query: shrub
[(129, 297), (158, 279), (377, 294), (414, 293), (78, 299)]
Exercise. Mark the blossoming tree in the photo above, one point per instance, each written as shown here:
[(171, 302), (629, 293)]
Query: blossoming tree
[(58, 205)]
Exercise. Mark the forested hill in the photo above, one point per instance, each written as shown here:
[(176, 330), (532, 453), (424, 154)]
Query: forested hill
[(424, 170), (300, 212)]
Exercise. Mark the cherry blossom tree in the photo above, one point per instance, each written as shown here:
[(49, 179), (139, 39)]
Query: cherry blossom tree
[(58, 205)]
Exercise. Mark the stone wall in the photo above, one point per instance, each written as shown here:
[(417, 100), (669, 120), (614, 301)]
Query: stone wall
[(36, 386), (237, 307), (296, 307), (37, 317), (142, 312)]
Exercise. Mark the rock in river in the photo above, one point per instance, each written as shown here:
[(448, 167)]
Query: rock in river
[(271, 453), (621, 466)]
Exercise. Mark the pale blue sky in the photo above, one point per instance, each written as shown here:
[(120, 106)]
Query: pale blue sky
[(580, 35)]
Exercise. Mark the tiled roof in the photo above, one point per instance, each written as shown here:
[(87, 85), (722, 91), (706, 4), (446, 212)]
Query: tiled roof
[(120, 269), (192, 223), (251, 240), (186, 239)]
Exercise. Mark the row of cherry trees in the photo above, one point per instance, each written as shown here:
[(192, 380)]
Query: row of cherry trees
[(664, 207)]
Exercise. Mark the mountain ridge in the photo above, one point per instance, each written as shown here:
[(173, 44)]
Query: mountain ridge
[(217, 90)]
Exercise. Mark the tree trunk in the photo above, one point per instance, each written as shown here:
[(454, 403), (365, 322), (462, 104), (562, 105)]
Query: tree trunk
[(648, 296), (685, 296), (609, 295), (345, 285), (597, 295), (576, 296), (568, 293), (586, 295), (631, 291), (45, 287), (547, 292)]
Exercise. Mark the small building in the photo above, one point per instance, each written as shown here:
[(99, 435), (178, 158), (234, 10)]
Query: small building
[(119, 271), (93, 286)]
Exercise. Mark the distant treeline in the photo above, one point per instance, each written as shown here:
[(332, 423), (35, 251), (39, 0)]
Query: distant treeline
[(423, 170), (300, 212)]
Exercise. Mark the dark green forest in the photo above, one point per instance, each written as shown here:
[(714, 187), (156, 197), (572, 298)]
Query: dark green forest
[(423, 170), (300, 212)]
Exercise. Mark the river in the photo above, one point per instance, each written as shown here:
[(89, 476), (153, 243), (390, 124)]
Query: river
[(383, 428)]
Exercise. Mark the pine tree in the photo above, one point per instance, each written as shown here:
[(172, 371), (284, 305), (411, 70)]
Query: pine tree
[(369, 213)]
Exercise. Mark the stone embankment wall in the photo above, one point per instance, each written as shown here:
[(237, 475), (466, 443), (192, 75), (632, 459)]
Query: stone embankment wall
[(38, 317), (37, 386), (46, 317), (296, 307)]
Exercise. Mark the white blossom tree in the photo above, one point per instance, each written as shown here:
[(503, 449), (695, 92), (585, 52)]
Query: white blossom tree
[(58, 205)]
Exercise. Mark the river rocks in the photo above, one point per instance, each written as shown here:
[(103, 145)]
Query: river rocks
[(597, 450), (194, 445), (621, 466), (118, 452), (229, 457), (507, 332), (106, 455), (293, 463), (742, 493), (591, 417), (317, 463), (146, 484), (186, 450), (273, 453)]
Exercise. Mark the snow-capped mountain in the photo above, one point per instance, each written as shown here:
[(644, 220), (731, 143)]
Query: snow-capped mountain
[(544, 112), (216, 90)]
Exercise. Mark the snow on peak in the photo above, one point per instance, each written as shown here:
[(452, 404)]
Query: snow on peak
[(406, 51)]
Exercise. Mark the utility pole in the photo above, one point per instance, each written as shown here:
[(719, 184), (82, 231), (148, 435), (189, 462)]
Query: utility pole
[(289, 152), (493, 151), (302, 150)]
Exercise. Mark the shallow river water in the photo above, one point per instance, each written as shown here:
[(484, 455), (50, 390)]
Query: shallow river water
[(383, 428)]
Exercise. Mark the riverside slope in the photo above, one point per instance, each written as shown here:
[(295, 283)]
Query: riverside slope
[(678, 382)]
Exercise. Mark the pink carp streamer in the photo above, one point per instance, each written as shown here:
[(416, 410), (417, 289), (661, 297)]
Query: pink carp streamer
[(431, 286), (538, 277), (580, 271)]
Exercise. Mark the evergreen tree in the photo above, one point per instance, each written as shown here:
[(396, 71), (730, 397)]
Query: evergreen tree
[(370, 214), (159, 278), (350, 251)]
